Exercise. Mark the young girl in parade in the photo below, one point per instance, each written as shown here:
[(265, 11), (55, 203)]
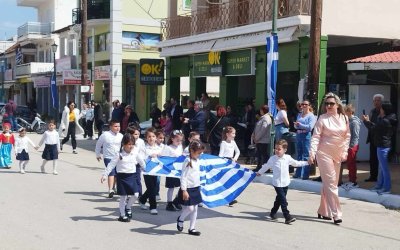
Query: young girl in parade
[(51, 139), (161, 143), (21, 149), (279, 163), (139, 143), (7, 141), (173, 149), (192, 136), (229, 148), (152, 150), (189, 193), (125, 164)]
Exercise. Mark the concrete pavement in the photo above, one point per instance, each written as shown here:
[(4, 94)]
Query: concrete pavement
[(70, 211)]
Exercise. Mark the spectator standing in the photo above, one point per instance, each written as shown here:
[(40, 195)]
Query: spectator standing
[(118, 111), (98, 118), (329, 146), (82, 118), (89, 117), (304, 124), (190, 113), (262, 136), (383, 131), (155, 115), (281, 120), (373, 157), (10, 110), (250, 121), (176, 112), (215, 125), (198, 123), (129, 118)]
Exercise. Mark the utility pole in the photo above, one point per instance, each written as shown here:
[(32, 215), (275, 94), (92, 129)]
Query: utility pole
[(84, 43), (314, 52)]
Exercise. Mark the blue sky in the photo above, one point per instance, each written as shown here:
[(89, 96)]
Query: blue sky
[(13, 16)]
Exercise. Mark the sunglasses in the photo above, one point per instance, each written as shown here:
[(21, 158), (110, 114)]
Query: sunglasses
[(330, 103)]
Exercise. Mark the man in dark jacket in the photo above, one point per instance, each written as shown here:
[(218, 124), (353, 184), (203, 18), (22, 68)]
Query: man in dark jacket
[(198, 123), (155, 115), (190, 113), (373, 158), (98, 117), (176, 112)]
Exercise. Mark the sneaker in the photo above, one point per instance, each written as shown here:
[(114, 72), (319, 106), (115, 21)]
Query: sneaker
[(55, 172), (22, 171), (201, 204), (143, 206), (111, 193), (124, 219), (153, 211), (290, 220), (74, 152), (272, 217)]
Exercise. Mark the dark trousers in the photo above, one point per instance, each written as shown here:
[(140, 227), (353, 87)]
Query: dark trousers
[(373, 162), (71, 132), (280, 201), (139, 179), (214, 150), (82, 122), (99, 127), (89, 128), (151, 191), (262, 154)]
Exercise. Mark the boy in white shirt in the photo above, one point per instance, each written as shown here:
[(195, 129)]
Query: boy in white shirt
[(280, 167)]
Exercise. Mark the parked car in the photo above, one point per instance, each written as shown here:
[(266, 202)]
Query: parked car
[(22, 111)]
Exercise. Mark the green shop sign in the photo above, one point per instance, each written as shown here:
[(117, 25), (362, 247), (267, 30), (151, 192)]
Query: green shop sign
[(232, 63)]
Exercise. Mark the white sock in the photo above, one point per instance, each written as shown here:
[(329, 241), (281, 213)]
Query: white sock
[(122, 203), (185, 212), (193, 218), (54, 165), (131, 200), (170, 194), (21, 167), (24, 165), (43, 164)]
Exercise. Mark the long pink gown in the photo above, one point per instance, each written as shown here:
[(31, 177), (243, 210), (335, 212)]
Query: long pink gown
[(329, 144)]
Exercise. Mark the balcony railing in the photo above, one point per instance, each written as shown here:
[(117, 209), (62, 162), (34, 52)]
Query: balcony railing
[(35, 28), (96, 9), (230, 15), (33, 68)]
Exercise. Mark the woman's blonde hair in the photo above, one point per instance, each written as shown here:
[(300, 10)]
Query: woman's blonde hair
[(340, 109)]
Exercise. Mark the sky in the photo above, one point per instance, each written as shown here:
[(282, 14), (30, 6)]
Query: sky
[(13, 16)]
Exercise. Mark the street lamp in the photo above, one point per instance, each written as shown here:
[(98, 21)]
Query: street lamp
[(53, 85)]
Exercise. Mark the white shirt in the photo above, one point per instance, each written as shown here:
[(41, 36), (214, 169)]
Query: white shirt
[(89, 116), (280, 169), (111, 143), (21, 143), (50, 138), (125, 162), (152, 150), (227, 149), (190, 175), (186, 151), (279, 117), (172, 151), (139, 143)]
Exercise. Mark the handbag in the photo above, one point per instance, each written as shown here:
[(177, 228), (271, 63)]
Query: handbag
[(209, 133)]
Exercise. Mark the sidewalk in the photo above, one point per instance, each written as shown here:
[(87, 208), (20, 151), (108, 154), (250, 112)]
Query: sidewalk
[(389, 200)]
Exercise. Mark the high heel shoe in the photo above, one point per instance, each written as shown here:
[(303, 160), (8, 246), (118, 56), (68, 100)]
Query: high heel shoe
[(324, 217), (180, 228), (338, 221)]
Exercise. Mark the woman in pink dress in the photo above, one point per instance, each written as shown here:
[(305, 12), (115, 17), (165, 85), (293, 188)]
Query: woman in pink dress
[(329, 145)]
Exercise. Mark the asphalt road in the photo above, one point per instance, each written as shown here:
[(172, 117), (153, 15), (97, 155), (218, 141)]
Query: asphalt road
[(71, 211)]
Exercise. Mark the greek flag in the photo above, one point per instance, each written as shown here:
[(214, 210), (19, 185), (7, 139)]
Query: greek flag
[(18, 55), (272, 71), (221, 180)]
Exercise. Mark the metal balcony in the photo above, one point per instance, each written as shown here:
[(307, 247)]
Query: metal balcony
[(35, 28), (230, 15), (32, 68)]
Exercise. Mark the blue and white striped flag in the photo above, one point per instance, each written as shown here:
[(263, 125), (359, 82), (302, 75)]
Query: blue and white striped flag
[(272, 71), (221, 180)]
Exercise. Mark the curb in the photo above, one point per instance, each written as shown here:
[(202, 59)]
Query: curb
[(387, 200)]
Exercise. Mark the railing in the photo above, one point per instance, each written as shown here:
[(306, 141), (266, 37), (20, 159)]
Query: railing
[(33, 68), (230, 15), (96, 9), (35, 28), (76, 16)]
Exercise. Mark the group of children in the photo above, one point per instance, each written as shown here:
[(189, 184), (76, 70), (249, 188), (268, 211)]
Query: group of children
[(21, 147)]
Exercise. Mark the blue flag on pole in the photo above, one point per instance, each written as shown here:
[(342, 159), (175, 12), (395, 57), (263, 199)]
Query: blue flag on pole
[(272, 71), (221, 180), (54, 92)]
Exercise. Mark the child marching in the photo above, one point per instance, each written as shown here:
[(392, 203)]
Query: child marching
[(7, 142), (279, 163), (51, 140), (189, 193), (125, 165), (21, 149)]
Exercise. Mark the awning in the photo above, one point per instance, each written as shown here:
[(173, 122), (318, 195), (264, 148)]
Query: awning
[(229, 43), (380, 61)]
